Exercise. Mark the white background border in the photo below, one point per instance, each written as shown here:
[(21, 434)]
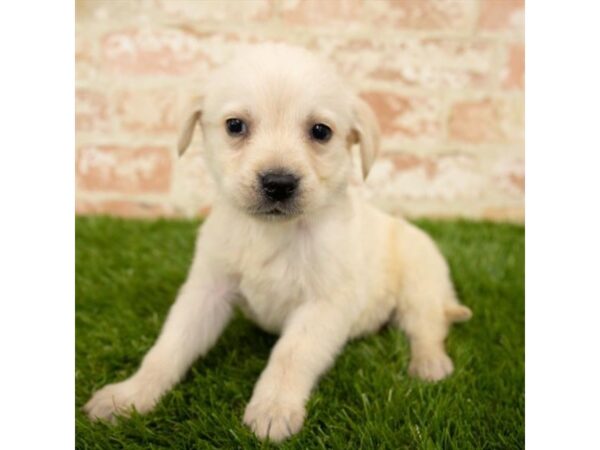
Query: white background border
[(563, 224), (37, 338)]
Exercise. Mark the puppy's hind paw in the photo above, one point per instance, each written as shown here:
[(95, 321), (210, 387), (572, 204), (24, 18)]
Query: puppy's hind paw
[(431, 367)]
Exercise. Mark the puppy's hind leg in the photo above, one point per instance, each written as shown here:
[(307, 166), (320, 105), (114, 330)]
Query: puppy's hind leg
[(426, 329), (427, 306)]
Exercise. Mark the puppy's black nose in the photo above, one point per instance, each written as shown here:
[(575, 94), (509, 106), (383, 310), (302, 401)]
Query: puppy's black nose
[(279, 186)]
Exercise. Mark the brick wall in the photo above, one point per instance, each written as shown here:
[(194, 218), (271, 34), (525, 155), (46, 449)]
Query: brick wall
[(446, 79)]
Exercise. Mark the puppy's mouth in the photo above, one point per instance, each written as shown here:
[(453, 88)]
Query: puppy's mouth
[(276, 211)]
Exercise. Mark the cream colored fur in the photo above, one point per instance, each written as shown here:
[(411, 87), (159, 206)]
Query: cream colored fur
[(335, 269)]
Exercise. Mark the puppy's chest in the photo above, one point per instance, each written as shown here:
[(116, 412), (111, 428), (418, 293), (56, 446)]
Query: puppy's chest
[(277, 279)]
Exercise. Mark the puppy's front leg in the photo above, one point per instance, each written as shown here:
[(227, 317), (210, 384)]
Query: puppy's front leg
[(193, 325), (309, 343)]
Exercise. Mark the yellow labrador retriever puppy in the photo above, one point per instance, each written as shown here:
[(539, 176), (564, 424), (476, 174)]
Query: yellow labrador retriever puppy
[(291, 245)]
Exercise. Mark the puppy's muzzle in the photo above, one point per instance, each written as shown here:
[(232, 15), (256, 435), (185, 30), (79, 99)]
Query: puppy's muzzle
[(279, 186)]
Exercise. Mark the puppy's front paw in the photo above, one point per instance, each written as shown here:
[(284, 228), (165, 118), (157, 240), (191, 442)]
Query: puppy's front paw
[(431, 366), (119, 399), (274, 419)]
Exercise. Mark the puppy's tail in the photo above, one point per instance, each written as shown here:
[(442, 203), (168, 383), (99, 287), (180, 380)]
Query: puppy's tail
[(457, 313)]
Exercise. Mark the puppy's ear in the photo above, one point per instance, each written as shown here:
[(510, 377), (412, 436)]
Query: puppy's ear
[(366, 132), (187, 131)]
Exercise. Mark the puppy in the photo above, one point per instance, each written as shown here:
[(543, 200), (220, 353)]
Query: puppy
[(291, 245)]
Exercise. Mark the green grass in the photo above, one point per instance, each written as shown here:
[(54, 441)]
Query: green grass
[(128, 273)]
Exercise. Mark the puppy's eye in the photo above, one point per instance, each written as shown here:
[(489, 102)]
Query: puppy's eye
[(320, 132), (236, 127)]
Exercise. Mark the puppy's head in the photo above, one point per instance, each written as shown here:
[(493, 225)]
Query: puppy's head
[(278, 127)]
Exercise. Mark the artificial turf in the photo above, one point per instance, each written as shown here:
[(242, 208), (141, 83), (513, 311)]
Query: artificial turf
[(128, 273)]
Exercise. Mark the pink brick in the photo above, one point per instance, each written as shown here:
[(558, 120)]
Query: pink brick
[(407, 162), (217, 11), (426, 177), (415, 62), (487, 120), (91, 111), (423, 14), (124, 170), (513, 73), (403, 117), (153, 51), (509, 176), (111, 10), (85, 61), (346, 13), (502, 15), (147, 111)]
